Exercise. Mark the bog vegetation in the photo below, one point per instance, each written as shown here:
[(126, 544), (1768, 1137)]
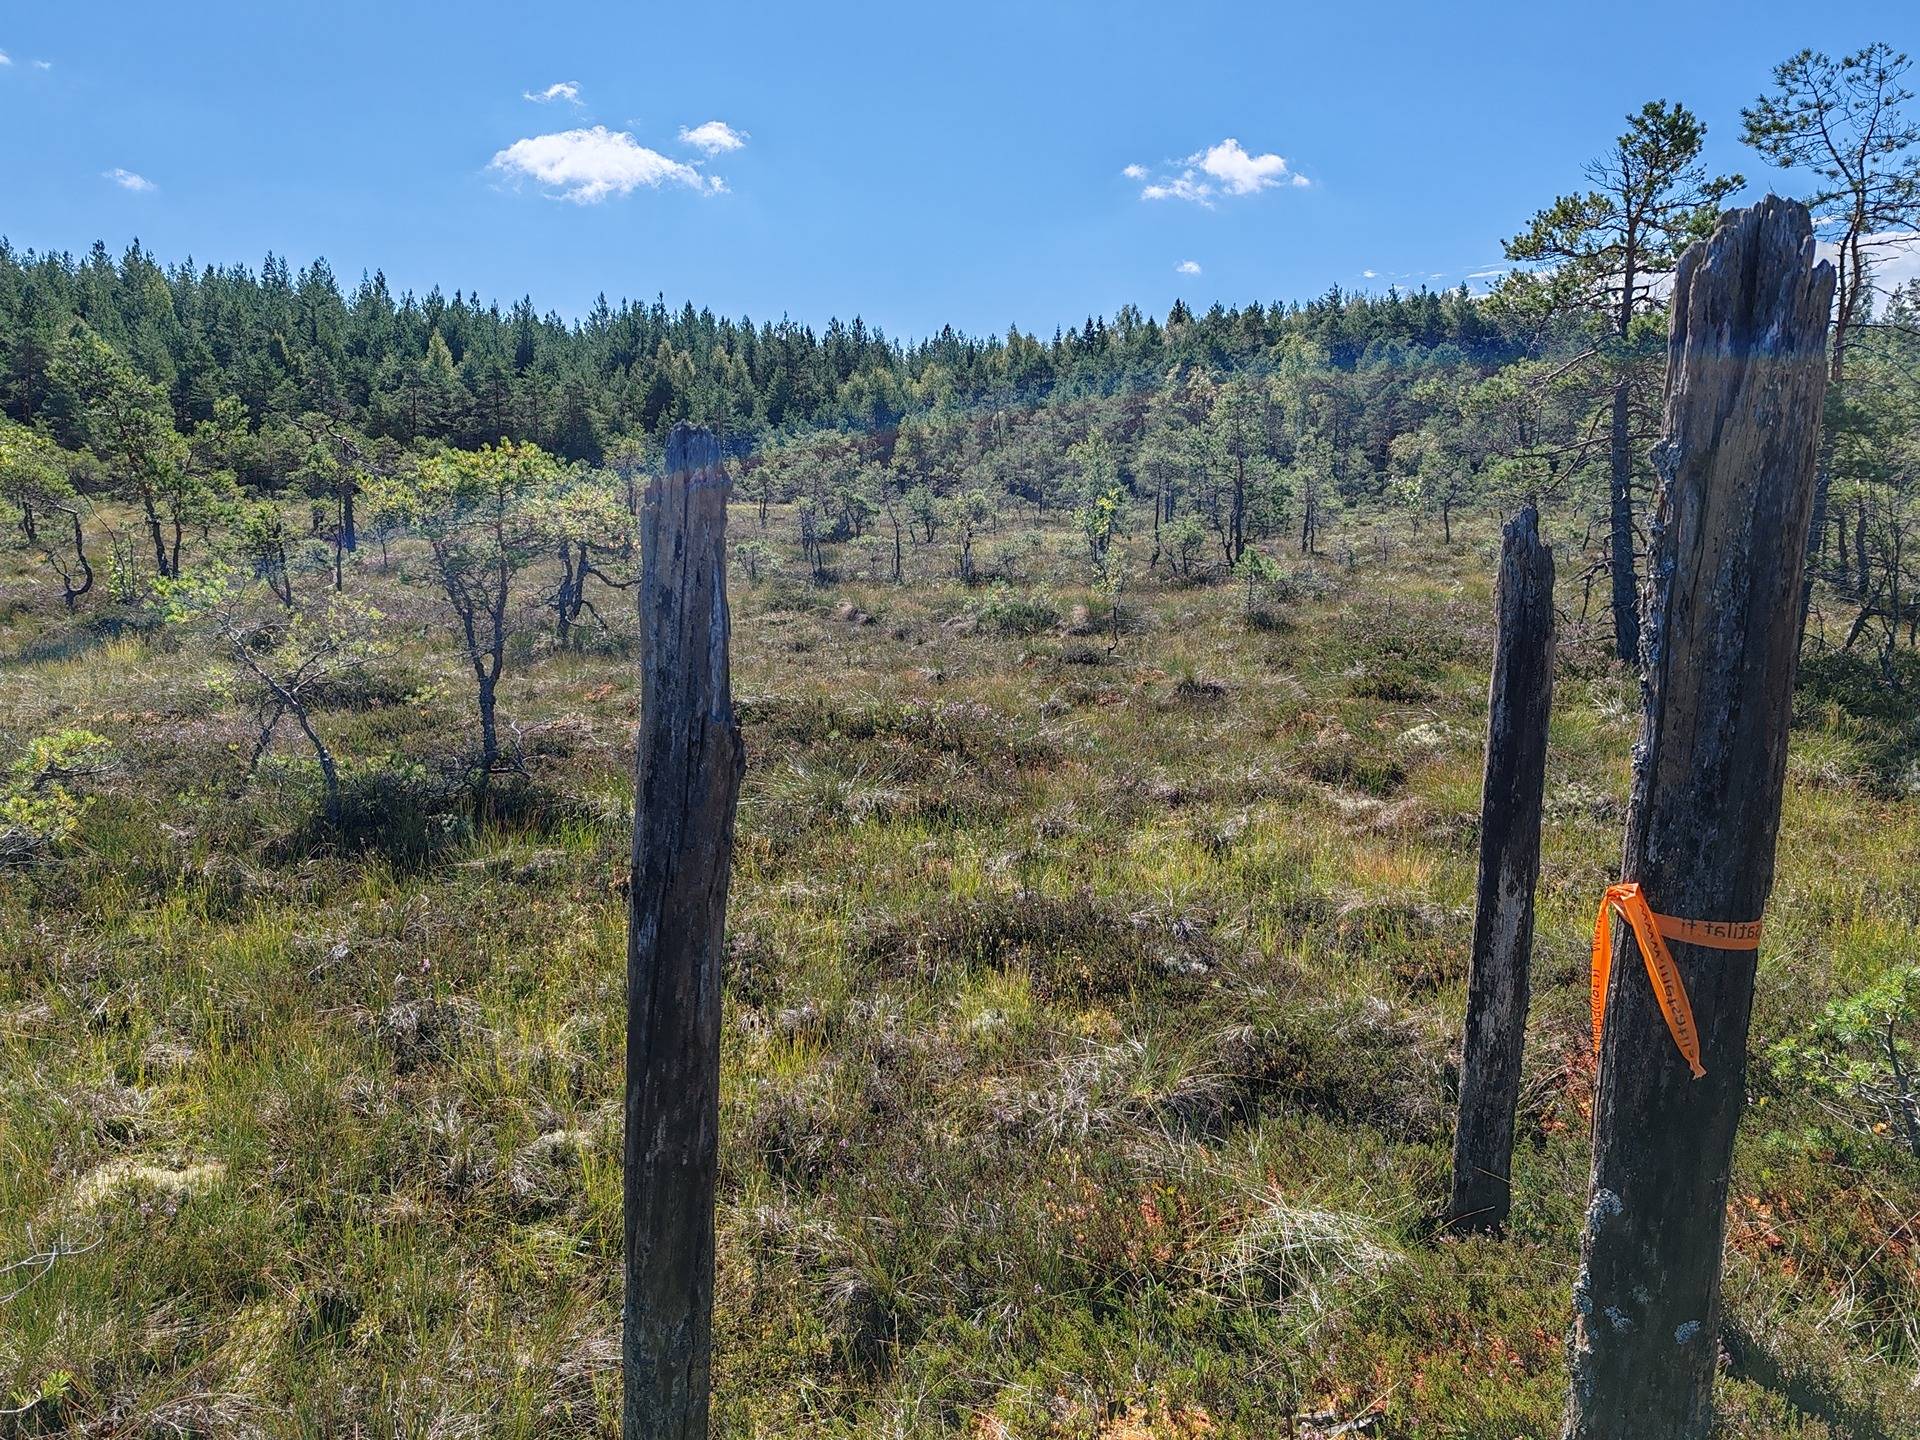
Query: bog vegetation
[(1114, 707)]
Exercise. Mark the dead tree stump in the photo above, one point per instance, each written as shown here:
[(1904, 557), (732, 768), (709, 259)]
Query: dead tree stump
[(686, 785), (1745, 382), (1519, 705)]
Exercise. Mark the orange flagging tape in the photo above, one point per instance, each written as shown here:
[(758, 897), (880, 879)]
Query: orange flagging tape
[(1652, 932)]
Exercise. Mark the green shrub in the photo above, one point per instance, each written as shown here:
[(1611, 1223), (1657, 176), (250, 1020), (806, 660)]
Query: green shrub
[(37, 810), (1009, 613), (1077, 948), (1873, 702), (1355, 769), (401, 812)]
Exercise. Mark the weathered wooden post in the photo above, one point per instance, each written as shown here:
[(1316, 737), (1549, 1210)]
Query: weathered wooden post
[(686, 784), (1519, 705), (1743, 403)]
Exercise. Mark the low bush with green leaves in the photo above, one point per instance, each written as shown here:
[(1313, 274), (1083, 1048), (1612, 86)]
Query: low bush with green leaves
[(38, 807)]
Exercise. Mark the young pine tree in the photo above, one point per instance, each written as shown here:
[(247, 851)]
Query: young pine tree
[(1606, 251)]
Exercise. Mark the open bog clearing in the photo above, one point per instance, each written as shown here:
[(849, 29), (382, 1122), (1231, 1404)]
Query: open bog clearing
[(1091, 1025)]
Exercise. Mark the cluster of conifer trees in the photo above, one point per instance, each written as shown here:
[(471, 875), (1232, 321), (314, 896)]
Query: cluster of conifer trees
[(286, 342)]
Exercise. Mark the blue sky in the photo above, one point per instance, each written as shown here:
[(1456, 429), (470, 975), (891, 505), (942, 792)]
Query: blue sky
[(917, 164)]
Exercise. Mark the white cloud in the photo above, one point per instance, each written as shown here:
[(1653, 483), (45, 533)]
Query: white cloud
[(127, 179), (567, 90), (1180, 187), (1188, 267), (1485, 274), (1892, 255), (586, 166), (5, 59), (1369, 274), (1226, 169), (1899, 266), (43, 64), (715, 137), (1241, 173)]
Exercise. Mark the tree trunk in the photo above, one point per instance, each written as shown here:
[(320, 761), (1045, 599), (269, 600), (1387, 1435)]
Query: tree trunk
[(74, 592), (1852, 275), (1743, 407), (687, 782), (158, 536), (1626, 588), (329, 771), (1817, 526), (1861, 568), (1239, 541), (488, 689), (1153, 563), (1896, 602), (1519, 706)]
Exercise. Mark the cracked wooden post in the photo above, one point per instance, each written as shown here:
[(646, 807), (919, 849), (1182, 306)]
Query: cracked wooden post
[(1745, 381), (1519, 705), (686, 784)]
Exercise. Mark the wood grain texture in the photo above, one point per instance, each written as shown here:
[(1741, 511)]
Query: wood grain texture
[(1519, 706), (689, 762), (1745, 382)]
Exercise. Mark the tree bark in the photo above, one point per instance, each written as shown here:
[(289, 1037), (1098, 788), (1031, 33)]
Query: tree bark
[(1862, 570), (1518, 709), (687, 782), (1745, 379), (74, 592), (1851, 276), (1238, 543), (158, 536), (1822, 487), (489, 727), (1626, 587)]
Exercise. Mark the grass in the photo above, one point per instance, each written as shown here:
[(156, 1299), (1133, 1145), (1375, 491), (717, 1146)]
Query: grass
[(1089, 1049)]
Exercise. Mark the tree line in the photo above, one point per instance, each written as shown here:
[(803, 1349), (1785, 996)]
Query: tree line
[(202, 399), (455, 370)]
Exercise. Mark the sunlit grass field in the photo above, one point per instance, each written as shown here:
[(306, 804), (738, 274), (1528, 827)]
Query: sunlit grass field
[(1091, 1018)]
